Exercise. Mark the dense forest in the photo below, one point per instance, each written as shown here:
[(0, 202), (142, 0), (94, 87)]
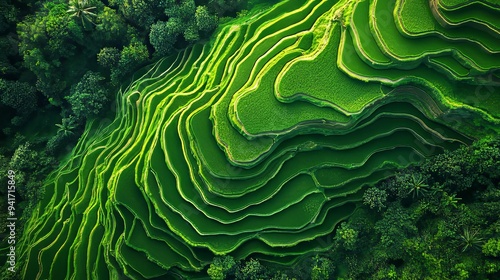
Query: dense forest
[(70, 70)]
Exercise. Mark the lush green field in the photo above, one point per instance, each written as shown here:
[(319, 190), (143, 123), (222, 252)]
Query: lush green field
[(258, 143)]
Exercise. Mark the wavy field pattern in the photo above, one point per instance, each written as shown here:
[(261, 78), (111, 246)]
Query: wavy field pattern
[(259, 142)]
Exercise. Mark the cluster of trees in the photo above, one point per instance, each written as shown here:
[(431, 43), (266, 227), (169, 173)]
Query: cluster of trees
[(315, 268), (437, 220)]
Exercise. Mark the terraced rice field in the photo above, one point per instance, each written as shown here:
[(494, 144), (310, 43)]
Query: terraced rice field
[(261, 141)]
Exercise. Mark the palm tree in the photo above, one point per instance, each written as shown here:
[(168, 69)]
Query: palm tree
[(417, 185), (471, 239), (82, 9), (65, 127)]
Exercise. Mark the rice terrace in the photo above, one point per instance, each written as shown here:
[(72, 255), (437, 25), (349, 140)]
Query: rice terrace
[(346, 139)]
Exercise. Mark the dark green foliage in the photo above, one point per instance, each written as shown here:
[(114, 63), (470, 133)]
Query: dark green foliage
[(19, 96), (416, 185), (204, 20), (111, 28), (163, 35), (450, 200), (462, 169), (142, 13), (322, 268), (4, 167), (46, 40), (31, 167), (8, 49), (252, 270), (388, 272), (54, 144), (108, 57), (347, 236), (191, 32), (67, 131), (408, 184), (66, 127), (183, 10), (221, 267), (226, 7), (57, 35), (278, 275), (88, 96), (24, 158), (62, 34), (131, 57), (375, 198), (193, 22), (394, 228), (8, 15), (76, 32)]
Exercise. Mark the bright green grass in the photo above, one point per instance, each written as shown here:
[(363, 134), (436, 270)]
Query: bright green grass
[(356, 68), (405, 49), (450, 67), (273, 117), (476, 15), (316, 79), (415, 18), (255, 54), (365, 44), (422, 75)]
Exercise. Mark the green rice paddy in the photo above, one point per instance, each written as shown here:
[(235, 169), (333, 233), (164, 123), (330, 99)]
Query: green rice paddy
[(259, 142)]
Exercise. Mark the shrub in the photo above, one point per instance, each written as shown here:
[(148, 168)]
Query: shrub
[(19, 96), (492, 247), (221, 267), (252, 270), (375, 198), (24, 158), (108, 57), (347, 236), (163, 35), (204, 20), (88, 97)]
